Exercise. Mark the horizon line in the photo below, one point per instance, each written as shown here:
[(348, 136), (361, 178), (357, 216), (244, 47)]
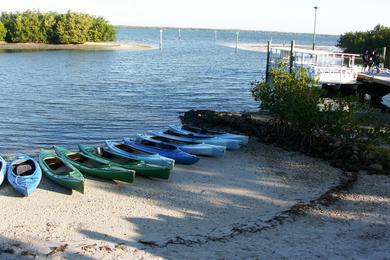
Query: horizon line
[(215, 29)]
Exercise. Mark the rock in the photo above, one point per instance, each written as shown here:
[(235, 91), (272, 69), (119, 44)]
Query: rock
[(375, 167), (337, 144)]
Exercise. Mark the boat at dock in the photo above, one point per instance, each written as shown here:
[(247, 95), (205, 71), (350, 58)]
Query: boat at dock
[(331, 70)]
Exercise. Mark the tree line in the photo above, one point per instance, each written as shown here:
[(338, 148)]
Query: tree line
[(373, 40), (55, 28)]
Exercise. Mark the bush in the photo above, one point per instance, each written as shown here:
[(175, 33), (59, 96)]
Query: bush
[(51, 27), (300, 106), (358, 42), (3, 31)]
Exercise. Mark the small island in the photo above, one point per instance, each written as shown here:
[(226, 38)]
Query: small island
[(34, 30)]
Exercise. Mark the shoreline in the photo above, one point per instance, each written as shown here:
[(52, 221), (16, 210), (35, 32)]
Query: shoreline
[(262, 47), (88, 46)]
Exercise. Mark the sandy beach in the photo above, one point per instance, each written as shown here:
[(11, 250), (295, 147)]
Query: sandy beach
[(89, 46), (199, 204)]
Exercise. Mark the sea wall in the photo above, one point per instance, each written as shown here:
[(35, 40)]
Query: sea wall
[(342, 154)]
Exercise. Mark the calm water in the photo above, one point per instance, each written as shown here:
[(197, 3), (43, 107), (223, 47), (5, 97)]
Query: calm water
[(70, 97)]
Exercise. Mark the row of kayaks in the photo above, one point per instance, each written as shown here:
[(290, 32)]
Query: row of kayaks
[(150, 155)]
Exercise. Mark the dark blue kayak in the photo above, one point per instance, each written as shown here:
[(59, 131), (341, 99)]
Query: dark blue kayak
[(163, 149)]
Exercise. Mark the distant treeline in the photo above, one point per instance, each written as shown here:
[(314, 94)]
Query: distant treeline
[(52, 27), (374, 40)]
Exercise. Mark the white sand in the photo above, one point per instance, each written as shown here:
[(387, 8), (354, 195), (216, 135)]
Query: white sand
[(199, 202)]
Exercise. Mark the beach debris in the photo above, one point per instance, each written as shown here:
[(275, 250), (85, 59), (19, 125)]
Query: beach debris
[(105, 248), (57, 249), (89, 248), (121, 246), (28, 253)]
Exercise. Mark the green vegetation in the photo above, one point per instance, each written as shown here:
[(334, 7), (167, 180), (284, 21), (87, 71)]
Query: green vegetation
[(3, 31), (358, 42), (302, 108), (51, 27)]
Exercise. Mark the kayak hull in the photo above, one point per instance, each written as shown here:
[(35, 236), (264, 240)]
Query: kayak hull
[(174, 153), (205, 133), (151, 158), (3, 169), (24, 185), (241, 139), (140, 167), (103, 170), (73, 179), (188, 146)]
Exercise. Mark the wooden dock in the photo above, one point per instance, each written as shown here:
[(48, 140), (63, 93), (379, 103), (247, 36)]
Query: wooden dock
[(382, 78)]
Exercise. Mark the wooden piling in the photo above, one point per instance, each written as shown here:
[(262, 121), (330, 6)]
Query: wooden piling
[(237, 41), (268, 61), (161, 39), (292, 56)]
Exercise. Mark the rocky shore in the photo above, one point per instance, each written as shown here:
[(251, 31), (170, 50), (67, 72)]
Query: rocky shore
[(341, 154)]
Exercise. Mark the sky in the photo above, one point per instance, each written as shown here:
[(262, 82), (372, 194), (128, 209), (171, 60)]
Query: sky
[(334, 16)]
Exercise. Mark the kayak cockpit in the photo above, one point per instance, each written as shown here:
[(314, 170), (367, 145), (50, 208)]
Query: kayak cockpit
[(57, 166), (129, 149), (100, 151), (79, 158), (157, 145), (23, 168)]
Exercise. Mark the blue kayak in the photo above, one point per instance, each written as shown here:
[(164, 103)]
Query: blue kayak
[(3, 169), (24, 174), (205, 133), (138, 154), (230, 144), (189, 146), (163, 149)]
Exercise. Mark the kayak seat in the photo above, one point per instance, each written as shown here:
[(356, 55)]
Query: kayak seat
[(57, 166), (24, 168)]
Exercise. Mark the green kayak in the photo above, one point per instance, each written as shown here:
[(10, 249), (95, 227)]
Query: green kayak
[(60, 172), (141, 168), (88, 165)]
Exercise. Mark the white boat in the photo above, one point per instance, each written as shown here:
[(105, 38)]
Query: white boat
[(386, 100), (328, 68)]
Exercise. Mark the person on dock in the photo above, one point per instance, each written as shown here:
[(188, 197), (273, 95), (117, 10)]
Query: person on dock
[(377, 62), (371, 59), (365, 58)]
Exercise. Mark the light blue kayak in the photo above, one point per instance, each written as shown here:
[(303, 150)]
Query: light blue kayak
[(136, 154), (24, 174), (205, 133), (189, 146), (3, 169), (230, 144)]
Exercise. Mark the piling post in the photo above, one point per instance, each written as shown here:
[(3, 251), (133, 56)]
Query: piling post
[(161, 39), (384, 56), (268, 61), (215, 35), (179, 34), (292, 56), (237, 33)]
